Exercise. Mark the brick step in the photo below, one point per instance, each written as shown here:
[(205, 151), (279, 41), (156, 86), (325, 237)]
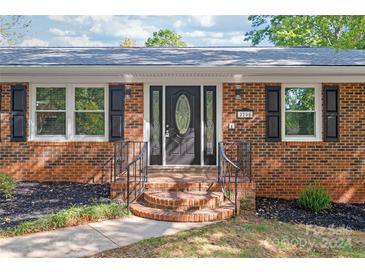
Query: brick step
[(174, 174), (182, 186), (224, 211), (180, 177), (184, 169), (180, 200)]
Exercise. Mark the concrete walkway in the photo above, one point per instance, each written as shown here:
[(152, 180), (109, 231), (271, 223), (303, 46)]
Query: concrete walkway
[(88, 239)]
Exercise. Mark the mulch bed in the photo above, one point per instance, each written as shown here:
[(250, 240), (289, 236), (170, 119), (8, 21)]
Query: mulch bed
[(350, 216), (34, 200)]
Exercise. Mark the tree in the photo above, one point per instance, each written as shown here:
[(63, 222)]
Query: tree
[(12, 28), (165, 38), (308, 31), (128, 43)]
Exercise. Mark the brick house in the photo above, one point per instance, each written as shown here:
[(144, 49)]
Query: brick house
[(302, 110)]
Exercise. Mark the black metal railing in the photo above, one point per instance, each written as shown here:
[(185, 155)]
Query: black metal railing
[(131, 168), (234, 166)]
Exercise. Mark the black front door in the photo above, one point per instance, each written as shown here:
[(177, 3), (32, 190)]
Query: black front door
[(182, 128)]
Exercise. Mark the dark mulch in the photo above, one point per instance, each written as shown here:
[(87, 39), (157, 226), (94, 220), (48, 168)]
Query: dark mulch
[(350, 216), (34, 200)]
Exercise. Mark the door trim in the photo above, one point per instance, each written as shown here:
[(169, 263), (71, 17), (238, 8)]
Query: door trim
[(219, 109)]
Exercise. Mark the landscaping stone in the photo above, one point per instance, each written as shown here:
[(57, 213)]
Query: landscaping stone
[(34, 200), (350, 216)]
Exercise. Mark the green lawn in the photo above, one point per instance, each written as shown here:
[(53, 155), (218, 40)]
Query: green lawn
[(73, 216), (250, 237)]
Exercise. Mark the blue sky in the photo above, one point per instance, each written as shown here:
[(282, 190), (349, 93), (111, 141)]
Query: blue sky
[(110, 30)]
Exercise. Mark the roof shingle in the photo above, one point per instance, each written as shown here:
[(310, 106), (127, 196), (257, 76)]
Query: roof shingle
[(206, 57)]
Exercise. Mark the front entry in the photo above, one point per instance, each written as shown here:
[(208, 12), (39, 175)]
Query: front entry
[(182, 126)]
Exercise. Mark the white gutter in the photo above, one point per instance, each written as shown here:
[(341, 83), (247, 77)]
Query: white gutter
[(154, 74)]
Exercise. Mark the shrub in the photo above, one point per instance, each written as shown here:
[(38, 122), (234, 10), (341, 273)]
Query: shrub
[(7, 185), (314, 198), (244, 203)]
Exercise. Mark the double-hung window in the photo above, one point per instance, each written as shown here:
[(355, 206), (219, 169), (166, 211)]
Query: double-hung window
[(301, 109), (69, 112), (89, 111), (50, 111)]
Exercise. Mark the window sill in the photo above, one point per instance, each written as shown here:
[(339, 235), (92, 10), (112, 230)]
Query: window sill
[(301, 140), (64, 139)]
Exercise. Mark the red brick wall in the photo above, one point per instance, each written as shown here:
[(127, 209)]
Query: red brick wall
[(63, 161), (282, 169)]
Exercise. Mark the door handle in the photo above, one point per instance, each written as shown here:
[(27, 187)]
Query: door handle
[(167, 133)]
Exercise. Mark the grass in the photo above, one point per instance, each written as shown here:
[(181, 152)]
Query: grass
[(242, 237), (69, 217)]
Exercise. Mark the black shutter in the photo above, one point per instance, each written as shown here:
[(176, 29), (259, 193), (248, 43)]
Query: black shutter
[(331, 114), (273, 128), (116, 112), (18, 110)]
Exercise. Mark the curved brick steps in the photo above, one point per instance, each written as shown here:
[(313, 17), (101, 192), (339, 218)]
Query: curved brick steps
[(224, 211), (183, 194), (180, 201)]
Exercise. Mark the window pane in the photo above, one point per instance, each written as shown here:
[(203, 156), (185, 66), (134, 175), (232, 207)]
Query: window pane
[(210, 123), (156, 127), (182, 114), (299, 123), (89, 123), (299, 99), (51, 123), (51, 99), (89, 98)]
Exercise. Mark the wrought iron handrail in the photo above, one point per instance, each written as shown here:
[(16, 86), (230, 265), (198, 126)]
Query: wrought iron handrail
[(232, 168), (131, 164)]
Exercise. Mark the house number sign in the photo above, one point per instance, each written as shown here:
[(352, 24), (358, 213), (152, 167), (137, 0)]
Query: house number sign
[(245, 113)]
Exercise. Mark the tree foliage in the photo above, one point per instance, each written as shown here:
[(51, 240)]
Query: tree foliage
[(165, 38), (343, 31), (128, 43), (299, 122), (89, 99), (12, 28)]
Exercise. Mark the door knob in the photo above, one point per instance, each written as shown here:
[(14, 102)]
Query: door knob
[(167, 133)]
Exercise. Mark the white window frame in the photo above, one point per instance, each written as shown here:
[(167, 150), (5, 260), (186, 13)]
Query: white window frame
[(73, 110), (70, 114), (318, 114)]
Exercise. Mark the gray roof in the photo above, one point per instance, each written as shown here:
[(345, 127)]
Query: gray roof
[(207, 57)]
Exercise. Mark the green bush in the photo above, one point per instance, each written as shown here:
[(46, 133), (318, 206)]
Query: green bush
[(314, 198), (244, 203), (7, 185)]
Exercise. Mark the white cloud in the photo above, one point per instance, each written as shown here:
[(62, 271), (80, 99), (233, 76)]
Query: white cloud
[(116, 26), (79, 41), (60, 18), (205, 20), (178, 24), (109, 30), (203, 34), (122, 27), (210, 38), (59, 32), (34, 42)]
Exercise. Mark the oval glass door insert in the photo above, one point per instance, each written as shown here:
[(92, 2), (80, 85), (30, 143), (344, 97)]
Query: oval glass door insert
[(182, 114)]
